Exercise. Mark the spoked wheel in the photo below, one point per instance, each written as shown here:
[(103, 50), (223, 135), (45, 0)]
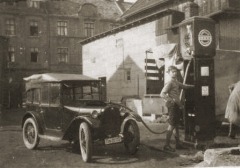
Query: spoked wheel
[(30, 134), (85, 141), (131, 137)]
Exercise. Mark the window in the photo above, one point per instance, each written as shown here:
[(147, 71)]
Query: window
[(34, 54), (89, 29), (33, 28), (34, 4), (45, 93), (54, 94), (128, 74), (62, 28), (33, 96), (62, 55), (10, 27), (36, 96), (11, 54)]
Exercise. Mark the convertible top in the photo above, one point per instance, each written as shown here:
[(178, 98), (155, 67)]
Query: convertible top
[(34, 81), (57, 77)]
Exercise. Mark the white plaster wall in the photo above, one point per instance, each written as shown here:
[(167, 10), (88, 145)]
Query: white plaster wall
[(103, 58)]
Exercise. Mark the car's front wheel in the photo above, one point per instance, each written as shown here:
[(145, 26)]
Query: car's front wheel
[(131, 137), (85, 141), (30, 134)]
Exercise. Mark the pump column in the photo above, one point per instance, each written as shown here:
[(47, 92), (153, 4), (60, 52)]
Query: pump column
[(197, 41)]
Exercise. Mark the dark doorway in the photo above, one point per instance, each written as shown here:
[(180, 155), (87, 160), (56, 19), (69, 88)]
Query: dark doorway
[(103, 88)]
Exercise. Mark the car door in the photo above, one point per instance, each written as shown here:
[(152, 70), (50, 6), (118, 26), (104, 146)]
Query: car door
[(51, 108)]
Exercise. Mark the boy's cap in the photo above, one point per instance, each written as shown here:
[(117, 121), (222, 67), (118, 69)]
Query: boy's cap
[(170, 68)]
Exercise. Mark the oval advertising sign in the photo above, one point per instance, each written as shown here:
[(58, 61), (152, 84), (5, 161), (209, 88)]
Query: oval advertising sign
[(205, 38)]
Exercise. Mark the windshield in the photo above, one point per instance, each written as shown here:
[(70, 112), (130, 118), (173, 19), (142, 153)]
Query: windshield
[(77, 92)]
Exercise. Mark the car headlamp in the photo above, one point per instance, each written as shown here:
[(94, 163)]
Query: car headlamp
[(122, 111), (94, 114)]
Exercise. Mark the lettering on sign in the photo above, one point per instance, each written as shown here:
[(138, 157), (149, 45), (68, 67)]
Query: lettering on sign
[(205, 38)]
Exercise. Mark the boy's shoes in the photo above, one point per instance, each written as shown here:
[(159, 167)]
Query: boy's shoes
[(168, 148), (179, 146)]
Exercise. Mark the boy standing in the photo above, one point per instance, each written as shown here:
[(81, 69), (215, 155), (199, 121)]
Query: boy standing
[(170, 93)]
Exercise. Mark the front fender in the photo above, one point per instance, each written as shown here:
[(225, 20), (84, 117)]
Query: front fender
[(129, 118), (37, 118), (72, 130), (94, 123)]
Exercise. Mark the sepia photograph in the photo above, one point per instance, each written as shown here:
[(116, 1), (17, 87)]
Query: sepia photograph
[(119, 83)]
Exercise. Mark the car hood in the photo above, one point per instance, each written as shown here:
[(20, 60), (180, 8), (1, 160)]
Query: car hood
[(83, 109)]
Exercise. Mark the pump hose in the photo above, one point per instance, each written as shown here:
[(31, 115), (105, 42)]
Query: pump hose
[(138, 118), (143, 122)]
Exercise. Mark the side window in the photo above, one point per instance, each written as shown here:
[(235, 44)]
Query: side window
[(45, 94), (33, 96), (29, 96), (36, 96), (54, 94)]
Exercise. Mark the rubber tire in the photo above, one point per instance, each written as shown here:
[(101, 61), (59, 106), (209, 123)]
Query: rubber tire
[(30, 145), (131, 137), (85, 142)]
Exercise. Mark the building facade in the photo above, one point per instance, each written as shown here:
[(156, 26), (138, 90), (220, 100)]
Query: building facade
[(44, 35), (123, 52)]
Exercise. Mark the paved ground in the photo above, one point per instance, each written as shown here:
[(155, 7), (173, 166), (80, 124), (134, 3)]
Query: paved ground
[(52, 154), (14, 154)]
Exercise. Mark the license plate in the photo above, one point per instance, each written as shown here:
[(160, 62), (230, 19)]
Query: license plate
[(113, 140)]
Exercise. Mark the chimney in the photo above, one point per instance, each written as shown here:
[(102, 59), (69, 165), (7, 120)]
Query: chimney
[(191, 9)]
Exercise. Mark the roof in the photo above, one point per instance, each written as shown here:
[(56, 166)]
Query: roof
[(108, 9), (142, 5), (129, 25), (56, 77), (65, 8)]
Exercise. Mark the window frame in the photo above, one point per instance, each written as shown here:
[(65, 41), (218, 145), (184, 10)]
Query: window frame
[(10, 27), (33, 28), (62, 28), (34, 52), (11, 54), (34, 4), (63, 54), (89, 27)]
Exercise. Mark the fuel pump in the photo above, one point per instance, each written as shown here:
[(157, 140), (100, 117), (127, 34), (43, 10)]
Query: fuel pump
[(197, 43)]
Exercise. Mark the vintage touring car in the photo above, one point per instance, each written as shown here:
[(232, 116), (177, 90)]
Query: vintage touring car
[(68, 107)]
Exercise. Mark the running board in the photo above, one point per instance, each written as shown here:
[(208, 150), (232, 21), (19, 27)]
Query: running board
[(52, 138)]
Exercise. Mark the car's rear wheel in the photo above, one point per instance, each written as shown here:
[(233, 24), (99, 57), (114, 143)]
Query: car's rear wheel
[(85, 141), (30, 134), (131, 137)]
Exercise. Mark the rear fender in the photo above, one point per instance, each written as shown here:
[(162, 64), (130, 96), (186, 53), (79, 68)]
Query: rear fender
[(36, 117), (71, 132)]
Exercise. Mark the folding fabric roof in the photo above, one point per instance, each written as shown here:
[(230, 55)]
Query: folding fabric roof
[(57, 77)]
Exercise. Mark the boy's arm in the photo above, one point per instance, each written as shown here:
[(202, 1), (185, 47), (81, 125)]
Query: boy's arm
[(164, 92), (185, 86)]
